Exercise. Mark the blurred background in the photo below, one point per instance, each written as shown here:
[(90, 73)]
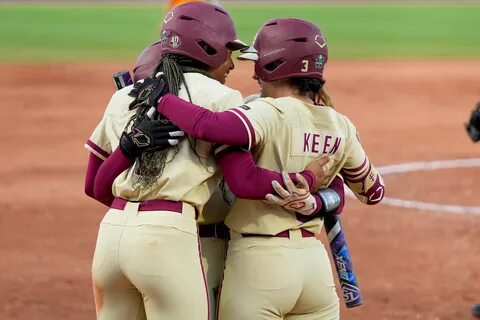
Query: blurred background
[(100, 30), (407, 73)]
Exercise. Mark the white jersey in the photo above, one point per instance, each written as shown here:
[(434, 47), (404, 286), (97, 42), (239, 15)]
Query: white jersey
[(189, 176), (287, 134)]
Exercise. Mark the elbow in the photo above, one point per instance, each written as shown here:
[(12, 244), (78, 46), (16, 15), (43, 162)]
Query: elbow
[(204, 131), (376, 196), (244, 188), (89, 186), (238, 189), (99, 195), (202, 134), (104, 198), (89, 191)]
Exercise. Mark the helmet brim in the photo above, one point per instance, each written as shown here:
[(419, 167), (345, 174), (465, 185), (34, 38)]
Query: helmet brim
[(237, 44), (250, 54)]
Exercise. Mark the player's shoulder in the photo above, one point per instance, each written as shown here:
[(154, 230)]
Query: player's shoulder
[(267, 104), (288, 103), (120, 100), (344, 121), (199, 83), (261, 108), (212, 94), (282, 106)]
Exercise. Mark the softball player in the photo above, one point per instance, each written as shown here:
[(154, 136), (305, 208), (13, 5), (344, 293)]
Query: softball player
[(275, 268), (149, 236), (212, 235), (125, 186)]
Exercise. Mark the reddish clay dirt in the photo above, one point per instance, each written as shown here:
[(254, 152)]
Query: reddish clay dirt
[(410, 264)]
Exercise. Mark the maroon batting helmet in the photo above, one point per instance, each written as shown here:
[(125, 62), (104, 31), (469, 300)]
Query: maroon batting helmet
[(147, 61), (201, 31), (288, 47)]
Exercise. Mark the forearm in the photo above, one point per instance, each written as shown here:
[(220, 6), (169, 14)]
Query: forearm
[(375, 193), (93, 166), (367, 185), (248, 181), (115, 164), (204, 124)]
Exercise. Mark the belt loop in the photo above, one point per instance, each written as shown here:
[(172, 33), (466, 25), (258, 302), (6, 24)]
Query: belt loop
[(235, 235), (131, 210), (189, 211), (295, 234)]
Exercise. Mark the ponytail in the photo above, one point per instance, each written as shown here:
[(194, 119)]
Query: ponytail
[(314, 88), (322, 97)]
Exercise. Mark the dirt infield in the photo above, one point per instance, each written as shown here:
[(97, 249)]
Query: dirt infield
[(411, 264)]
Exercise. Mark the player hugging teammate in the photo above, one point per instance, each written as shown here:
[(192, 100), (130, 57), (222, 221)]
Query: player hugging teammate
[(157, 183)]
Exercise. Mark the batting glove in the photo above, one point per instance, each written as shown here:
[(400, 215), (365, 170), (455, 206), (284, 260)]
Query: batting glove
[(149, 135), (148, 92), (295, 197)]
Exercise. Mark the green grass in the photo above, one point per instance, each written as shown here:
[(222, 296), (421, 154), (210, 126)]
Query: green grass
[(119, 32)]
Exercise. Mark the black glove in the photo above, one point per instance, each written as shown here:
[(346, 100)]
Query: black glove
[(473, 126), (149, 135), (148, 92)]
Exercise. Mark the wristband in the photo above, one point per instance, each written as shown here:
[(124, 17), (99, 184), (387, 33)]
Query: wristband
[(330, 199)]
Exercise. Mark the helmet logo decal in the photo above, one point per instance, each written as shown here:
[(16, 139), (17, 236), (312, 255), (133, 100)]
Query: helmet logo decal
[(175, 42), (319, 63), (321, 41), (168, 17), (164, 37)]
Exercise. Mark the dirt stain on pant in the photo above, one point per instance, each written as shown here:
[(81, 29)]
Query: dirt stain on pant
[(98, 295)]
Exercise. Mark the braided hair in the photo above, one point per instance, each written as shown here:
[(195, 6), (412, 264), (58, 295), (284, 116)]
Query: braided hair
[(150, 165)]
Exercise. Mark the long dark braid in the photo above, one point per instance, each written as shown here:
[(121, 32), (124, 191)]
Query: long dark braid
[(150, 165)]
